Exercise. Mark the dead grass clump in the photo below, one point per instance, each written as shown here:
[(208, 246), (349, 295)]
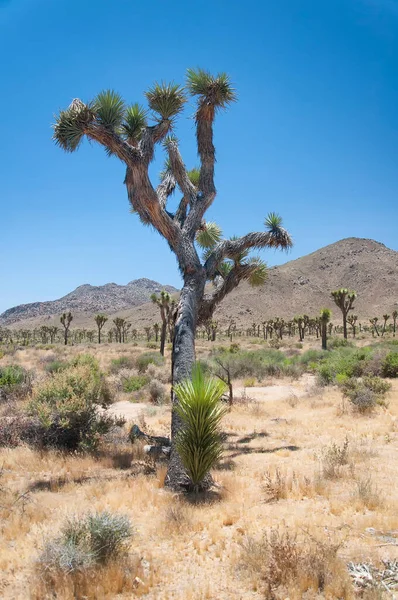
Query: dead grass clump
[(157, 391), (105, 582), (279, 486), (366, 494), (335, 460), (178, 517), (284, 564)]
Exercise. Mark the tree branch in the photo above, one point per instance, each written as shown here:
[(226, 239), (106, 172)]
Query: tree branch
[(277, 238), (179, 171), (113, 141), (234, 277), (146, 203), (166, 188)]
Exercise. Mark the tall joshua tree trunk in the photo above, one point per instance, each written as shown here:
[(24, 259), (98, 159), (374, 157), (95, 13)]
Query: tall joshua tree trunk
[(125, 133), (183, 359)]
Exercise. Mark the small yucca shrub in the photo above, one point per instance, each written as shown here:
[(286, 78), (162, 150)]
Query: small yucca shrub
[(199, 442), (95, 538)]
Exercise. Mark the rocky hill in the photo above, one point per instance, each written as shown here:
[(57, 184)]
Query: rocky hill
[(88, 300), (301, 286)]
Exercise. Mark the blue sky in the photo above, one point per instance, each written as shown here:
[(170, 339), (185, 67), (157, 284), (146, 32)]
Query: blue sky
[(314, 134)]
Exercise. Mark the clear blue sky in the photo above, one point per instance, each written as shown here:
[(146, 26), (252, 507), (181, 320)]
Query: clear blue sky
[(314, 135)]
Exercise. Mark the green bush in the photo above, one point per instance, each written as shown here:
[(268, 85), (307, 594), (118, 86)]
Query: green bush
[(134, 383), (12, 375), (339, 343), (199, 442), (377, 385), (55, 366), (94, 539), (67, 406), (15, 383), (390, 365), (123, 362), (366, 393), (148, 358)]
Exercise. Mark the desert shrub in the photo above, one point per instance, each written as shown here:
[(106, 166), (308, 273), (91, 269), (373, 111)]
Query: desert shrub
[(199, 442), (367, 493), (377, 385), (365, 394), (349, 362), (163, 374), (310, 356), (12, 375), (249, 382), (157, 391), (55, 366), (93, 539), (134, 383), (333, 458), (152, 345), (234, 348), (280, 560), (390, 365), (339, 343), (298, 345), (148, 358), (67, 406), (122, 362)]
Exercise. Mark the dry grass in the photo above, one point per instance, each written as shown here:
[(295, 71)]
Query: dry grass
[(274, 476)]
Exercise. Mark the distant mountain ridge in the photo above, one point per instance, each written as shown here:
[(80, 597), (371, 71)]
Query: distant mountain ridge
[(300, 286), (89, 299)]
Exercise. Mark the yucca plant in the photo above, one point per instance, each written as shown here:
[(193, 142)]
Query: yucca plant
[(199, 442)]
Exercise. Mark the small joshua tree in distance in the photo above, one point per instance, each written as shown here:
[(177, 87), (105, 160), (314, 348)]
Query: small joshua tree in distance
[(100, 321), (325, 317), (66, 320), (344, 299)]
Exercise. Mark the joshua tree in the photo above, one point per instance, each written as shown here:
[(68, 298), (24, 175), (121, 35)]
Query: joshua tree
[(324, 319), (385, 317), (156, 328), (124, 133), (344, 299), (148, 333), (352, 320), (52, 331), (163, 302), (66, 320), (394, 315), (125, 327), (100, 320), (231, 328), (118, 323), (90, 335), (373, 322)]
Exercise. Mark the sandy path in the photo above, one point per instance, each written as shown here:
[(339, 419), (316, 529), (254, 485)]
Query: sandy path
[(131, 410)]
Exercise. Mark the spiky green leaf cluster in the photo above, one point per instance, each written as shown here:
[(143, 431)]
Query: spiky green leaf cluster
[(135, 120), (325, 315), (260, 272), (69, 125), (109, 109), (194, 176), (216, 91), (209, 235), (166, 99), (199, 442)]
